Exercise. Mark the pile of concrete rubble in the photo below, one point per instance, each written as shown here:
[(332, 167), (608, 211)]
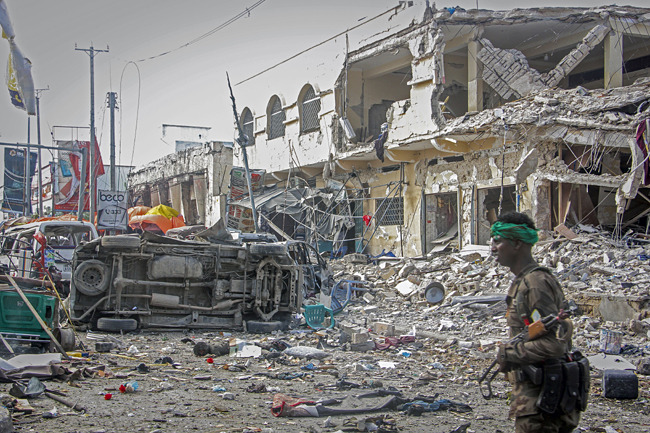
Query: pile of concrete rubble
[(609, 282)]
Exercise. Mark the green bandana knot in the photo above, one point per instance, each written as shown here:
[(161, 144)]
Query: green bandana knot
[(514, 232)]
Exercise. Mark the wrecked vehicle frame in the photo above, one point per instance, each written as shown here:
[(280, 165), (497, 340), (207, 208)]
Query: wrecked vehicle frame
[(124, 282)]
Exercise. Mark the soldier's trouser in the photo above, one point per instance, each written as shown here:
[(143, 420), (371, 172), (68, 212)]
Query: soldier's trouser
[(528, 417), (542, 423)]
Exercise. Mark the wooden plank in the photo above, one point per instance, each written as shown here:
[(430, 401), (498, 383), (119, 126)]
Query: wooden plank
[(565, 231)]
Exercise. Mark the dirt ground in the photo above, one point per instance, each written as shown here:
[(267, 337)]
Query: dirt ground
[(181, 397)]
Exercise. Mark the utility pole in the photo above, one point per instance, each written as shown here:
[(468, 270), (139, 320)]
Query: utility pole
[(27, 206), (92, 52), (112, 99), (40, 161)]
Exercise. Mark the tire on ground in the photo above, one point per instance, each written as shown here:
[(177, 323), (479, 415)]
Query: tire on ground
[(116, 325), (120, 242), (66, 338), (91, 277), (259, 327)]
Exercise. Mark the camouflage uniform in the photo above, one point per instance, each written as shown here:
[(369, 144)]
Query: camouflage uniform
[(535, 288)]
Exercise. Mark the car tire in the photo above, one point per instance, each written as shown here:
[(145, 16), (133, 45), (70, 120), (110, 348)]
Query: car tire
[(91, 277), (122, 242), (66, 338), (116, 325), (259, 327)]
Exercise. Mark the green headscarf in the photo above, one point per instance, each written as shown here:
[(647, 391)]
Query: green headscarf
[(514, 232)]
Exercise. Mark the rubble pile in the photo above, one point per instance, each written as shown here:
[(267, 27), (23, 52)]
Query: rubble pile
[(579, 107), (608, 281)]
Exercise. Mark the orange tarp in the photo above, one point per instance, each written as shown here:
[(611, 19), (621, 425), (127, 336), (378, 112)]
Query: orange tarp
[(156, 223), (138, 210)]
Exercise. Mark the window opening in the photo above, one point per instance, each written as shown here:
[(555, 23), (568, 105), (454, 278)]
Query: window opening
[(276, 120), (309, 120), (390, 211), (247, 126)]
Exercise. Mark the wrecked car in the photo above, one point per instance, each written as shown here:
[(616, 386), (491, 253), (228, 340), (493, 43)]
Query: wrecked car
[(125, 282), (29, 250)]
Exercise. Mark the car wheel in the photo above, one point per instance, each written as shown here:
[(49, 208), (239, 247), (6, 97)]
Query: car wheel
[(91, 277), (122, 242), (116, 325)]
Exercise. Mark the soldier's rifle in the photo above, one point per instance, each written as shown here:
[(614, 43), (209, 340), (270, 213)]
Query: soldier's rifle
[(531, 332)]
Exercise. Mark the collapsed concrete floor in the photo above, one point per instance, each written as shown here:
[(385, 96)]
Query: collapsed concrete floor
[(453, 342)]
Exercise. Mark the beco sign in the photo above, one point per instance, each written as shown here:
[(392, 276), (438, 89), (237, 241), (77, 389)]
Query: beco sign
[(111, 210)]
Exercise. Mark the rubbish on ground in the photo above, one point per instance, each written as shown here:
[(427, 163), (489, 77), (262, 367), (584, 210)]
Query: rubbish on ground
[(306, 352), (611, 341), (249, 351), (34, 388), (129, 387), (436, 405)]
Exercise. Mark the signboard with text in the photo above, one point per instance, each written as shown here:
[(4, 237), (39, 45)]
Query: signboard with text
[(112, 210)]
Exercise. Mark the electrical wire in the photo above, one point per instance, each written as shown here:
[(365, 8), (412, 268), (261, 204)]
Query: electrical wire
[(137, 111), (246, 12), (393, 9)]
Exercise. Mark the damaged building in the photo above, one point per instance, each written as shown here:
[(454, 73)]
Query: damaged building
[(194, 181), (432, 122)]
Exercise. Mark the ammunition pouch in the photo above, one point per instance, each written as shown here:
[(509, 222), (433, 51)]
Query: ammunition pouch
[(565, 385), (552, 387), (571, 393)]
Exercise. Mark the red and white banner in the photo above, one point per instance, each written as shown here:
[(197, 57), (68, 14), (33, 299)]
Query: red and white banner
[(68, 175)]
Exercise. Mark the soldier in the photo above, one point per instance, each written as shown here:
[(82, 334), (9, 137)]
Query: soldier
[(535, 293)]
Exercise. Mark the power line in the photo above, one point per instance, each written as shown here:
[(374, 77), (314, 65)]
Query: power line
[(246, 12), (393, 9)]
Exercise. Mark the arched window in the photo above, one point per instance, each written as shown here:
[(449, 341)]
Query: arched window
[(309, 107), (277, 116), (247, 125)]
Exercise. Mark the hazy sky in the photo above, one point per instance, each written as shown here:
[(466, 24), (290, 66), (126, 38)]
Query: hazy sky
[(186, 86)]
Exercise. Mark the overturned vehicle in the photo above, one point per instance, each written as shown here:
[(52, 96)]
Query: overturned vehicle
[(125, 282)]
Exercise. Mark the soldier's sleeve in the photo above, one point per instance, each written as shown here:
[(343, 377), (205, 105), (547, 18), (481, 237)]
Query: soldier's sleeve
[(541, 297)]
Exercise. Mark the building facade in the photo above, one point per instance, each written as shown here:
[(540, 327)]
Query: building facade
[(436, 121), (193, 181)]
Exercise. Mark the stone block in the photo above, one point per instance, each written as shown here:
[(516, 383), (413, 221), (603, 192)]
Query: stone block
[(370, 309), (6, 425), (387, 273), (362, 347), (616, 309), (383, 328), (643, 366), (360, 337)]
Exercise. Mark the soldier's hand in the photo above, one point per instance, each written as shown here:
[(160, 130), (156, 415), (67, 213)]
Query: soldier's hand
[(502, 359)]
